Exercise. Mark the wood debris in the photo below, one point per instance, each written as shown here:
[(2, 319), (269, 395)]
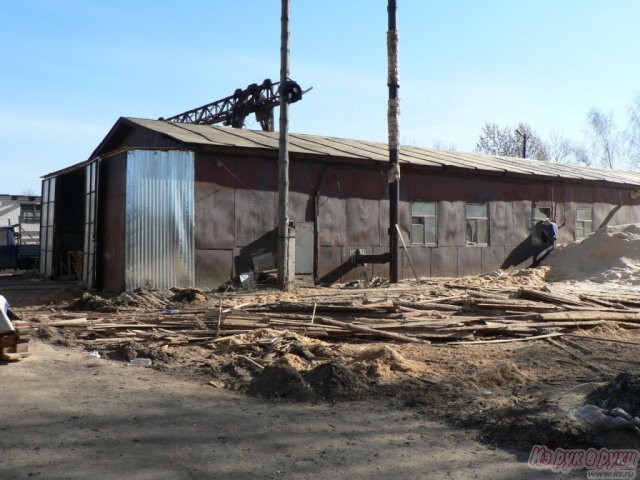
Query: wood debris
[(473, 315), (14, 346)]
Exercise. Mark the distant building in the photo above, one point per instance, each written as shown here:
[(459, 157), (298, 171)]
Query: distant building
[(161, 204), (23, 213)]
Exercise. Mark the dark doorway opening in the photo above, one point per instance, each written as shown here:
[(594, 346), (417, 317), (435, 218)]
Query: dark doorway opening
[(69, 233)]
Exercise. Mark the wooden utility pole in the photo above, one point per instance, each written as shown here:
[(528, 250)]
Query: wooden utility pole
[(393, 122), (286, 234)]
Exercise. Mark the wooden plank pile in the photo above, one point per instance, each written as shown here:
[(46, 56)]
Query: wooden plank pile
[(459, 315), (14, 346)]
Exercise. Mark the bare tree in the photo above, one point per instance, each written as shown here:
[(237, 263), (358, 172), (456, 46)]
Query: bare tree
[(632, 134), (509, 141), (562, 150), (579, 154), (605, 138), (559, 148), (440, 145)]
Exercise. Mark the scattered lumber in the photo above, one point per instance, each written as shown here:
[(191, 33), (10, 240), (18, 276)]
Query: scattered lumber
[(465, 316), (372, 331), (583, 315), (549, 297)]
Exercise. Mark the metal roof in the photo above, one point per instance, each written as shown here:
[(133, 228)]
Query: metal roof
[(332, 147), (377, 151)]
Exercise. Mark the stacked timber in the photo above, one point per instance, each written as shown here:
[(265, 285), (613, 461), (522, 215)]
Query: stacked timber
[(460, 316), (14, 346)]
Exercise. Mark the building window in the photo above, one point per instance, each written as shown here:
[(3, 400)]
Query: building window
[(423, 223), (30, 212), (539, 215), (584, 221), (477, 226)]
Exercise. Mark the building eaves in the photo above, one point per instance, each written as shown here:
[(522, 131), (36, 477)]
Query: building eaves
[(344, 148)]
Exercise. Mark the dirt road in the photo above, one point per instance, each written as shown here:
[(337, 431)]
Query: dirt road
[(66, 415)]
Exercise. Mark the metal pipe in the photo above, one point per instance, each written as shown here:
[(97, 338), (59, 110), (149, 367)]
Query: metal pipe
[(524, 142), (393, 124), (285, 275)]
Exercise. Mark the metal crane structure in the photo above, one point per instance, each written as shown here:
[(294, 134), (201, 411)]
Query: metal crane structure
[(234, 109)]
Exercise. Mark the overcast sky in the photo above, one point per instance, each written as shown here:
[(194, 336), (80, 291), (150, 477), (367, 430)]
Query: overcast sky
[(70, 68)]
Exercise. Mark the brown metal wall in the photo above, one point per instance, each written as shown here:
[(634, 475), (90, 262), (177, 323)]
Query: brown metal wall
[(236, 204), (111, 224)]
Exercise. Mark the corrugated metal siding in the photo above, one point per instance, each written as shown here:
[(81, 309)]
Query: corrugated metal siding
[(159, 238), (47, 223)]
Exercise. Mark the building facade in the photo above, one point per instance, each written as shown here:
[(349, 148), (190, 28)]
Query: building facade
[(161, 204), (23, 213)]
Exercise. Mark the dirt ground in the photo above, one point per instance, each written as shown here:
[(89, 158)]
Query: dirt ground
[(66, 415), (323, 409)]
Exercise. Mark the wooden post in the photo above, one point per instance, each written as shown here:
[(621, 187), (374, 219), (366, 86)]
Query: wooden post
[(286, 261), (393, 124)]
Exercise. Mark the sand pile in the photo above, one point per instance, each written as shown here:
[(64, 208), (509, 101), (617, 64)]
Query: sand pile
[(505, 373), (611, 254), (382, 362)]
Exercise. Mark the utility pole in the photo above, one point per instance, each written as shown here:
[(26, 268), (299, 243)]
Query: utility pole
[(286, 234), (524, 142), (393, 124)]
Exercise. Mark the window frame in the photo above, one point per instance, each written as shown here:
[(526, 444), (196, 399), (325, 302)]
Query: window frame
[(423, 223), (30, 212), (535, 231), (487, 218), (584, 223)]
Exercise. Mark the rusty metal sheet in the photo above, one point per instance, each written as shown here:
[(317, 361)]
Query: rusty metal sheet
[(619, 215), (444, 262), (300, 207), (111, 218), (356, 182), (451, 224), (214, 205), (330, 263), (363, 224), (500, 215), (520, 226), (352, 271), (305, 176), (332, 220), (213, 267), (492, 258), (469, 261), (380, 269), (256, 173), (421, 258), (255, 215)]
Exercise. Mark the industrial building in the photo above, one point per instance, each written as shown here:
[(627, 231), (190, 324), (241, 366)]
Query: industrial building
[(161, 204), (23, 213)]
